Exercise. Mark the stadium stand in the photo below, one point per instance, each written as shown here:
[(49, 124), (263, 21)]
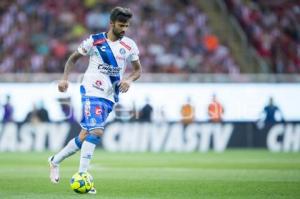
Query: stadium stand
[(173, 36), (273, 28)]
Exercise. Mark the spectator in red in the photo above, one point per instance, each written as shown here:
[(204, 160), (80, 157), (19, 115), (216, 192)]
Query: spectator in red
[(215, 110), (211, 42)]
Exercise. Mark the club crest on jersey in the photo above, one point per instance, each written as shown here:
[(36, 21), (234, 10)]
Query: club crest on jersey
[(122, 51)]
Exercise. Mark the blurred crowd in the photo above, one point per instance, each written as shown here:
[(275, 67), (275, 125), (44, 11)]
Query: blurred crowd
[(173, 36), (273, 28)]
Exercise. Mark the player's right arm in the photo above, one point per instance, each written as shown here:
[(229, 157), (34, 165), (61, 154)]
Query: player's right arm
[(63, 83), (83, 49)]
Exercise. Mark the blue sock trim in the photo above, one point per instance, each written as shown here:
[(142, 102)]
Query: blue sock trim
[(78, 142), (92, 139)]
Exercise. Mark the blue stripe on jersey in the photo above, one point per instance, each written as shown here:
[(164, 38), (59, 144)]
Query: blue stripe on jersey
[(109, 58)]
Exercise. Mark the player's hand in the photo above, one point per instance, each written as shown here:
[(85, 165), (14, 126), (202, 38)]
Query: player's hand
[(63, 85), (124, 86)]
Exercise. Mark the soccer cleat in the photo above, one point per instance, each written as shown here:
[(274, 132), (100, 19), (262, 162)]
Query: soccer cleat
[(92, 191), (54, 171)]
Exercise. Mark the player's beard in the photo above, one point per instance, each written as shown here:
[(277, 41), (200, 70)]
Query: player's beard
[(119, 35)]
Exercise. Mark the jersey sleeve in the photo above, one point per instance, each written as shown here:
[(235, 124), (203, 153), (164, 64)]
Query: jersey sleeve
[(134, 52), (86, 46)]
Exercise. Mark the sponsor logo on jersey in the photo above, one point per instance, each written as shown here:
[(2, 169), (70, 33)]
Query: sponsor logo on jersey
[(103, 48), (99, 42), (109, 69), (98, 85)]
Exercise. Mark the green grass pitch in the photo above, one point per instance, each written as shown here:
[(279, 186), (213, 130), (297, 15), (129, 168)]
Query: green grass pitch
[(235, 174)]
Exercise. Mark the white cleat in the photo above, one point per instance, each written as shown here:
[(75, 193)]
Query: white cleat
[(54, 171), (93, 191)]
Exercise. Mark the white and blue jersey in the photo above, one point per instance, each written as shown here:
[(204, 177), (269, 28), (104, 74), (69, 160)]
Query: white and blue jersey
[(100, 84)]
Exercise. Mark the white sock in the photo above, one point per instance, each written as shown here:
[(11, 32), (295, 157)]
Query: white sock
[(87, 150), (67, 151)]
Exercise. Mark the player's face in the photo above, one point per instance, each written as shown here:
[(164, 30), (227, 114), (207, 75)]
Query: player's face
[(119, 28)]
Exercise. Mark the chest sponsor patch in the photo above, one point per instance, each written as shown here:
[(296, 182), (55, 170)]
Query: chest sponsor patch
[(109, 69)]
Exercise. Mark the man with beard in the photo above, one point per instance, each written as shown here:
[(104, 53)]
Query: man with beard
[(103, 80)]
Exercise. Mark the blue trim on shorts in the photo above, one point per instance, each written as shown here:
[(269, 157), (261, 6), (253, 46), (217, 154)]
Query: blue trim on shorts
[(92, 139), (78, 142)]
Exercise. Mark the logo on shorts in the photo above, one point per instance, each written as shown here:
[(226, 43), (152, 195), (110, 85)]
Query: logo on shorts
[(98, 110), (92, 122), (87, 108)]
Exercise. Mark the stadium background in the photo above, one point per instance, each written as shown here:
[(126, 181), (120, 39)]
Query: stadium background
[(243, 52)]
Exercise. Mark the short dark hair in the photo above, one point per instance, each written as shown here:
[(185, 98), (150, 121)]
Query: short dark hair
[(120, 14)]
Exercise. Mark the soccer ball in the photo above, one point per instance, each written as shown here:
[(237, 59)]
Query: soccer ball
[(81, 182)]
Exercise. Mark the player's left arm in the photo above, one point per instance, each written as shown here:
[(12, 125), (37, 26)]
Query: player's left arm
[(134, 75)]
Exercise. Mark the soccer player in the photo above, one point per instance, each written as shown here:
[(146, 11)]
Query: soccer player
[(103, 80)]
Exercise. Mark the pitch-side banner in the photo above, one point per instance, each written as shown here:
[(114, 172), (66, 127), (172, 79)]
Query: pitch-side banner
[(156, 137)]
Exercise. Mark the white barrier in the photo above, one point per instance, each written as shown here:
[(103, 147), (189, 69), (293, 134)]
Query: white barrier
[(242, 102)]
